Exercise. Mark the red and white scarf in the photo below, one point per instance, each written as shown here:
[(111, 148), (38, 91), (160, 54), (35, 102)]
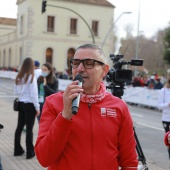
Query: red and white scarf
[(96, 97)]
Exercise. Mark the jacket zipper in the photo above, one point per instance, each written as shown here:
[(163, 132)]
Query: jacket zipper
[(91, 122), (89, 106)]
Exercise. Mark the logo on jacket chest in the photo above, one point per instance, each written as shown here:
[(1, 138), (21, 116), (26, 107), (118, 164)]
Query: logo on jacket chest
[(107, 112)]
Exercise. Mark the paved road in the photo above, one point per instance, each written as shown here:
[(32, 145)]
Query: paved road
[(150, 133), (147, 123)]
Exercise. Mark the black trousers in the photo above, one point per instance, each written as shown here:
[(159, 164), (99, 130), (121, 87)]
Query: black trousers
[(166, 126), (0, 164), (26, 116), (39, 116)]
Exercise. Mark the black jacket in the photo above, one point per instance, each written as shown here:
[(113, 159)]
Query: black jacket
[(49, 88)]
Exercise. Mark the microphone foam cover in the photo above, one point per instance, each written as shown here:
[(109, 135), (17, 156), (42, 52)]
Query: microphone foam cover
[(78, 77)]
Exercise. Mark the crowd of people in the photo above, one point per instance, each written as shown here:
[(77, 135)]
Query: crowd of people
[(152, 82), (9, 68)]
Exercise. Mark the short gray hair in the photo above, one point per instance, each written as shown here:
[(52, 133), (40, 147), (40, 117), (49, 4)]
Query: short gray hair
[(95, 47)]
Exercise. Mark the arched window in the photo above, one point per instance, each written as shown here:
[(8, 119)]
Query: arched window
[(49, 55)]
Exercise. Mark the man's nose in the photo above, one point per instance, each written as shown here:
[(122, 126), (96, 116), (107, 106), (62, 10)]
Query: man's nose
[(80, 67)]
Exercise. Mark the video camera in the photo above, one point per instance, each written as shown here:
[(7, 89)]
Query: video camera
[(117, 76)]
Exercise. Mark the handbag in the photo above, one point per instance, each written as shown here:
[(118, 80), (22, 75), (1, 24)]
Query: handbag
[(16, 104)]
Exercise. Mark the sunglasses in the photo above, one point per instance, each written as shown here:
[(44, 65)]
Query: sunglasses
[(87, 63)]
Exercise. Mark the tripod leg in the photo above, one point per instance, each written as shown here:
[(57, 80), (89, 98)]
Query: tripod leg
[(141, 156)]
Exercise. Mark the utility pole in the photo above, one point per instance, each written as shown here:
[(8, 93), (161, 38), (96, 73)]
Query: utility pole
[(137, 42)]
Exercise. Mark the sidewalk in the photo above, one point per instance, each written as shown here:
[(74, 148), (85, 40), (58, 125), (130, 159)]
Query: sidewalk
[(9, 119)]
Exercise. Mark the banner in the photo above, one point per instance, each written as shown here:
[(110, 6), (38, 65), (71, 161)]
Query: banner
[(136, 95)]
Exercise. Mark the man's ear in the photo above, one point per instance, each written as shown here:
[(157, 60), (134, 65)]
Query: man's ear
[(106, 69)]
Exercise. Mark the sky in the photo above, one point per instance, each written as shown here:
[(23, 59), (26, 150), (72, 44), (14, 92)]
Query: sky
[(154, 15), (150, 15)]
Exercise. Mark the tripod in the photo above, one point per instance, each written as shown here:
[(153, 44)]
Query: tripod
[(118, 91), (141, 156)]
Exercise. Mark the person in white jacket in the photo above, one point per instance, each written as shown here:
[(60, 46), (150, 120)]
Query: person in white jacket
[(37, 69), (164, 105), (26, 88)]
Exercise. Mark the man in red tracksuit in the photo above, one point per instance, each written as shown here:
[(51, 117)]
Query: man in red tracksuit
[(100, 136)]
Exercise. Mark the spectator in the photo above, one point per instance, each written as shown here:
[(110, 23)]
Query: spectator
[(37, 70), (151, 83), (136, 82), (47, 84), (0, 164), (164, 105), (140, 77), (155, 75), (100, 136), (55, 72), (158, 84), (26, 86), (163, 79), (1, 127), (65, 75), (145, 80)]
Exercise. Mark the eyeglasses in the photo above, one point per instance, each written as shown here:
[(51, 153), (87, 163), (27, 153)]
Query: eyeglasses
[(87, 63)]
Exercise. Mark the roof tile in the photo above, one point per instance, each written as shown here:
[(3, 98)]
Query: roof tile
[(8, 21), (95, 2)]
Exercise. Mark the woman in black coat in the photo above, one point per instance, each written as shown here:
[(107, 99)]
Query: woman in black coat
[(47, 84)]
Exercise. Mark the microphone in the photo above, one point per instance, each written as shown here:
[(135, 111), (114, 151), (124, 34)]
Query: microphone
[(76, 101)]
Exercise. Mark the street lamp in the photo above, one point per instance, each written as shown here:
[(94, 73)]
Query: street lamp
[(111, 28)]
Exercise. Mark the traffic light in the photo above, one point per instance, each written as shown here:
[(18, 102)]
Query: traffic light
[(44, 6)]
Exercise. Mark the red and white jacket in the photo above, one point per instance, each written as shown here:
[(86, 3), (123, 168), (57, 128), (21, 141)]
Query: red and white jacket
[(99, 137)]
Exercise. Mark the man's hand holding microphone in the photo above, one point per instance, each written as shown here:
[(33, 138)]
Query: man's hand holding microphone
[(71, 97)]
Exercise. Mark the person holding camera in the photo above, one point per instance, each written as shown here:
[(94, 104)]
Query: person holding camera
[(100, 135)]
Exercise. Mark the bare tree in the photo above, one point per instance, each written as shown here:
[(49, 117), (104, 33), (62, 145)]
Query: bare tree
[(150, 50), (128, 29)]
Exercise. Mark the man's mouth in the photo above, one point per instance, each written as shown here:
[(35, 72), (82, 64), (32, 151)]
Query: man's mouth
[(84, 77)]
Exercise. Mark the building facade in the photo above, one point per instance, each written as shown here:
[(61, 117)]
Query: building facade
[(54, 35)]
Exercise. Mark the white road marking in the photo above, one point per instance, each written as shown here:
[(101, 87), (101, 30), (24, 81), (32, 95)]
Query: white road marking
[(137, 115), (7, 95), (2, 93), (153, 127)]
